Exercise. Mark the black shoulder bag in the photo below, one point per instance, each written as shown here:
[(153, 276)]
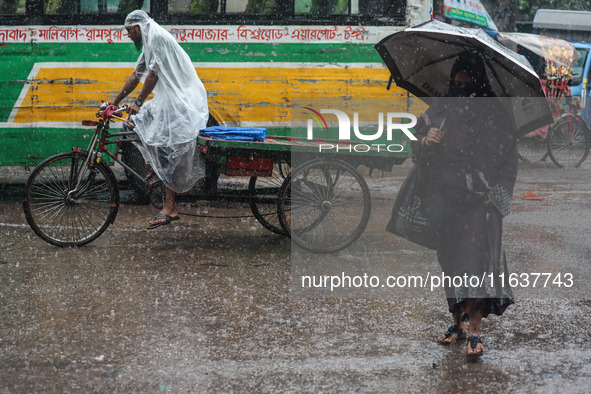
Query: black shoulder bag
[(418, 211)]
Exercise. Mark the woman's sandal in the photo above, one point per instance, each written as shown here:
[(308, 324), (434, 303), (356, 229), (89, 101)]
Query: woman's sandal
[(473, 341), (453, 329)]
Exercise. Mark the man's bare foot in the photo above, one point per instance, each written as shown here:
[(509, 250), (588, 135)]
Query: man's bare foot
[(173, 214), (453, 334), (475, 348), (163, 219)]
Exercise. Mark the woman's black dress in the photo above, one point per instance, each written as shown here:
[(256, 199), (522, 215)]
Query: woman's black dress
[(477, 160)]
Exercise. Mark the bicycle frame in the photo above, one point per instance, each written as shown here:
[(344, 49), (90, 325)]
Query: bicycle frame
[(98, 146)]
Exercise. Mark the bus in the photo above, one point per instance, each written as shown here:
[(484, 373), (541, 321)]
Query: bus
[(60, 58)]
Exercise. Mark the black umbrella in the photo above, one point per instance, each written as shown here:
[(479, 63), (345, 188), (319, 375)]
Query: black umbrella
[(420, 59)]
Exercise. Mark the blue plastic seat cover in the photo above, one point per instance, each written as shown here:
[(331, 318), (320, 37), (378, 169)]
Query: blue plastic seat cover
[(235, 133)]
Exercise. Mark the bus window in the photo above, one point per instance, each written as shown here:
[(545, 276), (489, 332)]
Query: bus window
[(379, 8), (233, 7), (11, 7), (194, 7), (321, 7), (236, 6), (56, 7), (579, 67), (258, 7), (375, 8)]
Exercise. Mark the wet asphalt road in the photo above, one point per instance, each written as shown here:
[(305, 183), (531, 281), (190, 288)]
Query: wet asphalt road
[(208, 305)]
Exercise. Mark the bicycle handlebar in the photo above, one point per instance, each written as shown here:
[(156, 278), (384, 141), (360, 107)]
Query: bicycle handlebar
[(117, 113), (104, 105)]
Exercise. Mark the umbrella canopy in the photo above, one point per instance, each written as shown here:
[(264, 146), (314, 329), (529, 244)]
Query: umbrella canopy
[(552, 58), (554, 49), (420, 60)]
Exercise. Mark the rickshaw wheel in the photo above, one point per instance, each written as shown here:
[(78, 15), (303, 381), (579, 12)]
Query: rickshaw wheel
[(532, 149), (569, 142), (132, 156), (266, 213), (324, 206), (157, 195)]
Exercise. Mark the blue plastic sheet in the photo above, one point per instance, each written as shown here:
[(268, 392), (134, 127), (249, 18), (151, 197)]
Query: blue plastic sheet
[(235, 133)]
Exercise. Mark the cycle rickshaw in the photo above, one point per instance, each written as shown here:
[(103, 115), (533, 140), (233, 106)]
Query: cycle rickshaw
[(568, 140), (323, 203)]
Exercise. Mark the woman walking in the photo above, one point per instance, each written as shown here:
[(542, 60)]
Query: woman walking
[(468, 143)]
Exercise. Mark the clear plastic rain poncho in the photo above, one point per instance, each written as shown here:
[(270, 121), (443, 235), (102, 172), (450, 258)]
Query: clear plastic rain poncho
[(169, 123)]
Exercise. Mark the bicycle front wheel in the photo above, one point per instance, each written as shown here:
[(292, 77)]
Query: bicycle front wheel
[(568, 142), (65, 212)]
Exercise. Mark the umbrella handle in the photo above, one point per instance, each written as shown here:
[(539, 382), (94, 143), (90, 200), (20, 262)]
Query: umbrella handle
[(442, 123)]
